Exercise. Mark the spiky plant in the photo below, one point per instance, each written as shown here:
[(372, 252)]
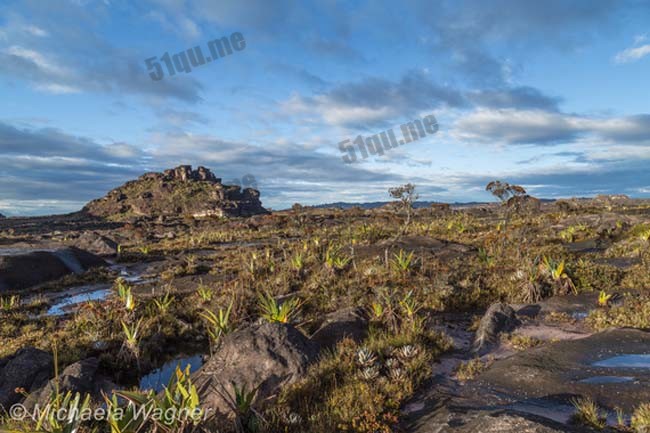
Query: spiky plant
[(164, 303), (273, 311), (403, 262), (218, 324), (335, 260), (298, 262), (603, 299), (204, 292), (588, 413), (365, 357), (9, 302), (641, 418), (369, 373), (132, 339), (407, 352)]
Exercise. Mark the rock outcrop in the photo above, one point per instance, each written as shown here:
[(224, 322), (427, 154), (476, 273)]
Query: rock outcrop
[(347, 323), (21, 271), (97, 244), (263, 357), (28, 369), (497, 319), (2, 216), (82, 377), (177, 192)]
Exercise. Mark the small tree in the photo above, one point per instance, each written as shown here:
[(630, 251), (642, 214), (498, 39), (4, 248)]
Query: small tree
[(509, 196), (406, 196)]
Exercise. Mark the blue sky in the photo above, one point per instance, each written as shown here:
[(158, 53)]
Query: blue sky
[(553, 95)]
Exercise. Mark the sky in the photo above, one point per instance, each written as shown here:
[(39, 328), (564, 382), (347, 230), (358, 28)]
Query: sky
[(553, 95)]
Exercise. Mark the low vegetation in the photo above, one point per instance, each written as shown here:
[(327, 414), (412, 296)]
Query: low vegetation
[(403, 265)]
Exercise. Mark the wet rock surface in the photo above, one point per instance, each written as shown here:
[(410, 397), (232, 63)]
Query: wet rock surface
[(465, 420), (29, 369), (561, 369), (265, 357)]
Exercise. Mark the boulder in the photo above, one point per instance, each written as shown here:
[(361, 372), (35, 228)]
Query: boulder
[(82, 377), (346, 323), (459, 420), (29, 369), (97, 244), (498, 318), (21, 271), (265, 356)]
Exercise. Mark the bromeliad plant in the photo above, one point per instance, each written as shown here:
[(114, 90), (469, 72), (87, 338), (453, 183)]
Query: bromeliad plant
[(335, 260), (9, 302), (164, 303), (124, 294), (403, 262), (176, 409), (204, 292), (562, 283), (603, 299), (132, 340), (218, 324), (273, 311)]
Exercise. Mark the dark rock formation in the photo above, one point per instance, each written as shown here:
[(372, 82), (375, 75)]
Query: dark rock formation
[(79, 377), (266, 357), (177, 192), (29, 369), (2, 216), (497, 319), (96, 244), (349, 322), (21, 271)]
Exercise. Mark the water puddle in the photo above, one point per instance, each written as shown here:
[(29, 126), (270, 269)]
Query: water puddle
[(66, 302), (579, 315), (625, 361), (159, 378), (606, 380)]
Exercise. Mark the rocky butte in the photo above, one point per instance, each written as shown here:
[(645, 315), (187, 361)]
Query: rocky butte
[(180, 191)]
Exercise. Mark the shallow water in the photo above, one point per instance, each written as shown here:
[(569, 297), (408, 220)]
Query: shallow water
[(160, 377), (605, 380), (78, 295), (625, 361)]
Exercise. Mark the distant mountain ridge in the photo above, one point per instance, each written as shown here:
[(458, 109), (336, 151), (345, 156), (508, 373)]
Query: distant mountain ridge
[(417, 204)]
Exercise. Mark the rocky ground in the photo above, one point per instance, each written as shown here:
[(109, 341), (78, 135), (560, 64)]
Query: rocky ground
[(325, 320)]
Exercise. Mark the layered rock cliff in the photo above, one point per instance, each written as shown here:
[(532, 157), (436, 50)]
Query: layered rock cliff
[(181, 191)]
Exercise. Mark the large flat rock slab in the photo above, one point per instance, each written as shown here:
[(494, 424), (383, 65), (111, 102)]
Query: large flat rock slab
[(586, 367)]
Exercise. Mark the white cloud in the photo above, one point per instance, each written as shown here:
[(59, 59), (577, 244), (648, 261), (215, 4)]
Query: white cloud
[(38, 59), (632, 54), (57, 89), (36, 31)]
